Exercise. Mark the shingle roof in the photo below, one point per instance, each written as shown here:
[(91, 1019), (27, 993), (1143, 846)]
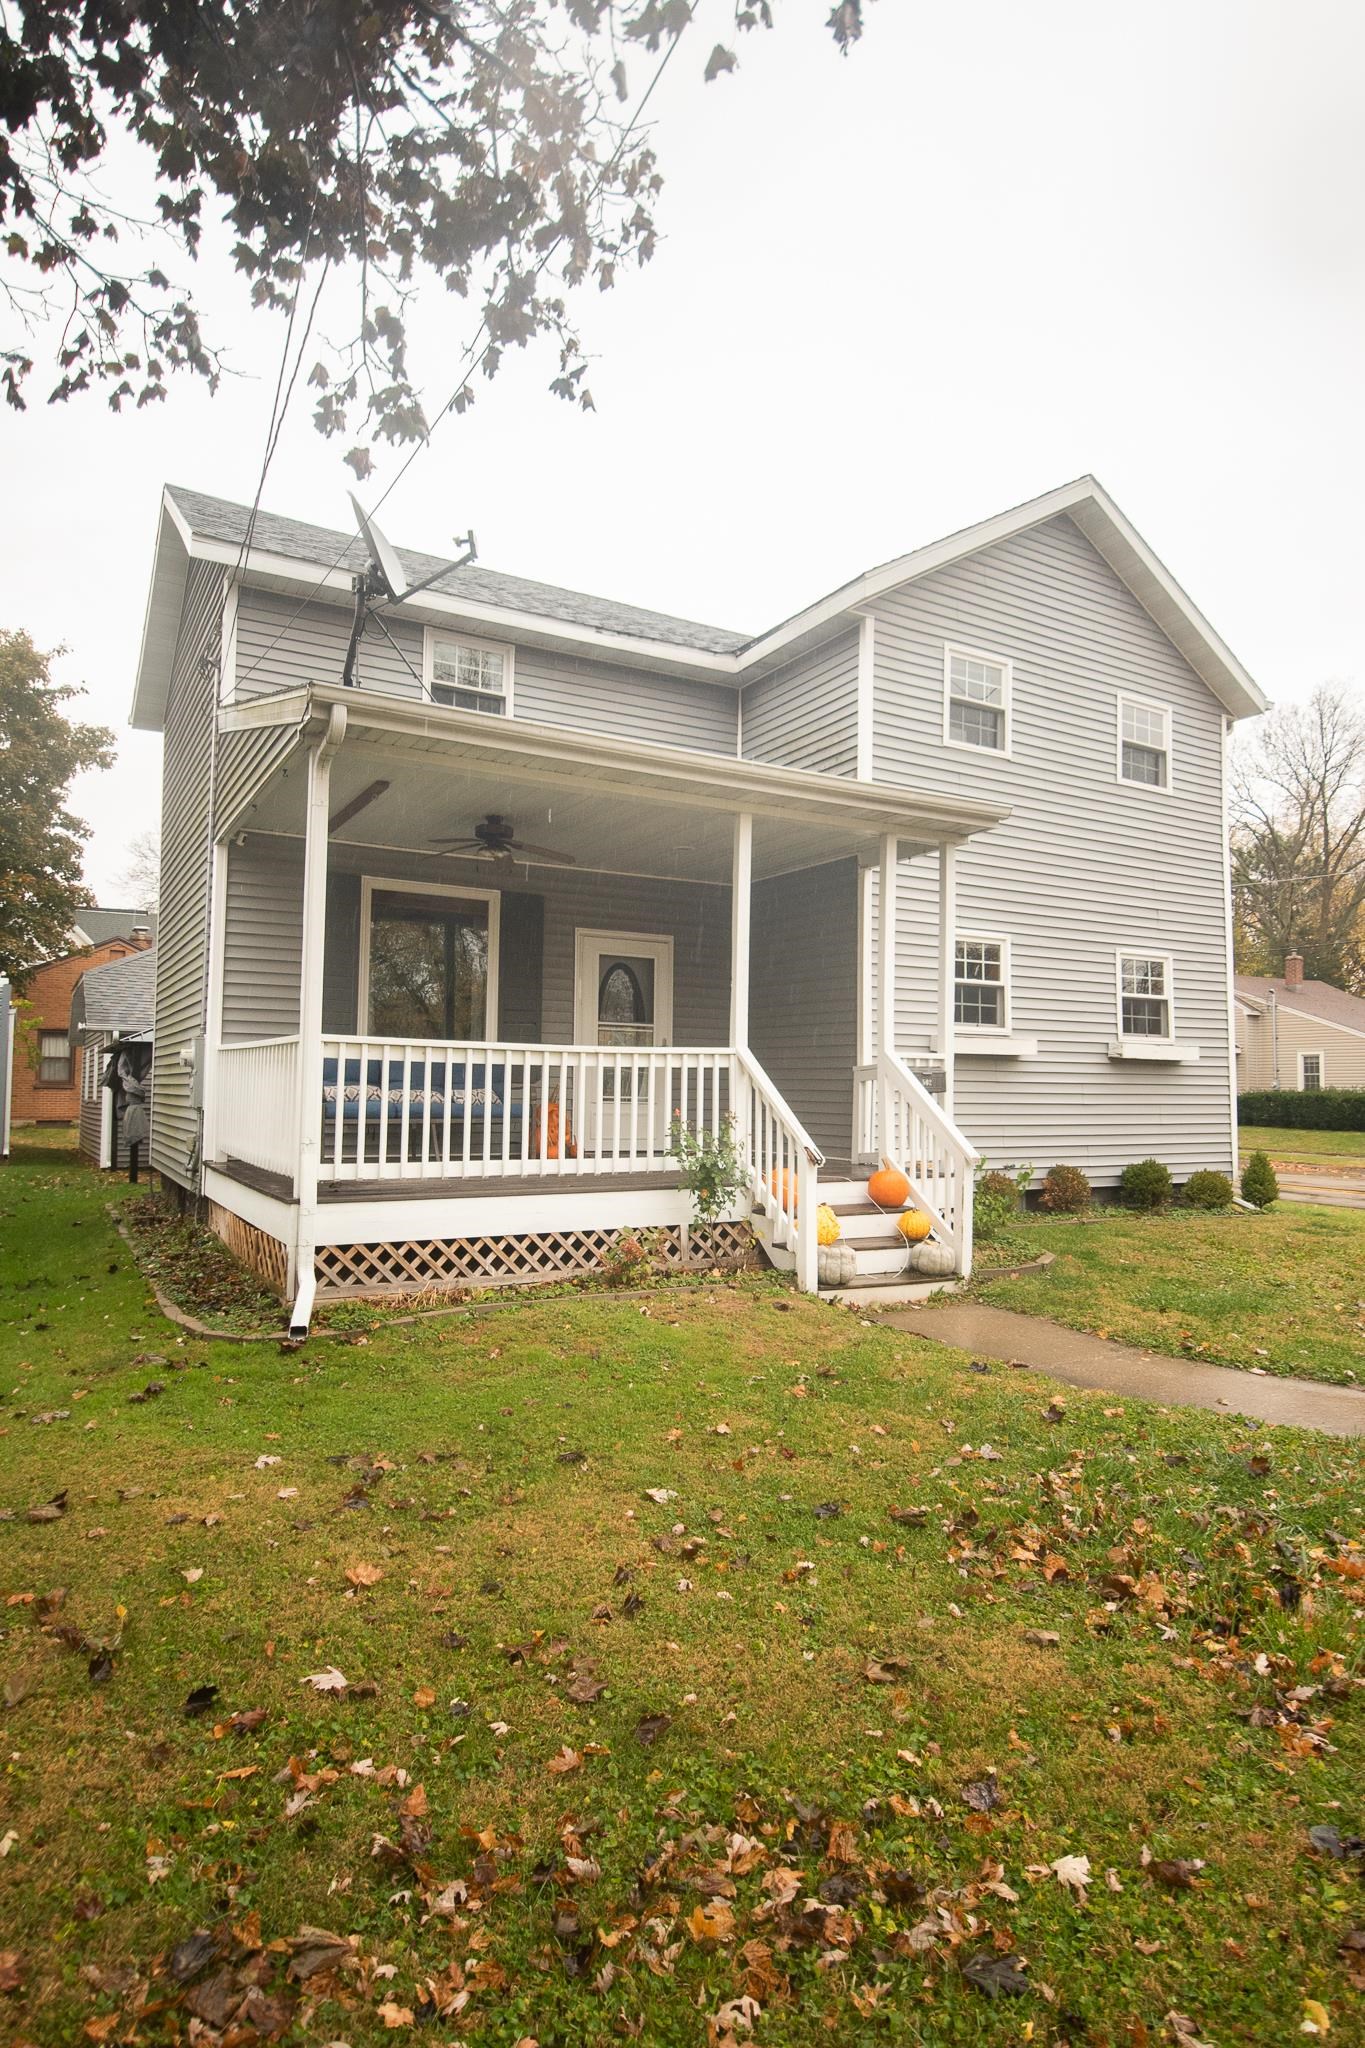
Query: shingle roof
[(219, 519), (1319, 999), (118, 997), (100, 924)]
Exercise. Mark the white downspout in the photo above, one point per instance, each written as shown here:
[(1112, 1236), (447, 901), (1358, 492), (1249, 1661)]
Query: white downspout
[(310, 1016)]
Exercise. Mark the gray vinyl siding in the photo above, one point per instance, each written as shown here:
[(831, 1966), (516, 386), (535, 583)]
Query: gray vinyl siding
[(283, 647), (244, 760), (1085, 865), (262, 949), (587, 696), (806, 716), (182, 927), (803, 995), (89, 1122)]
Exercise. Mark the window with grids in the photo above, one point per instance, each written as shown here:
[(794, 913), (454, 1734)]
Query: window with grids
[(1144, 743), (1144, 995), (471, 678), (1312, 1071), (978, 701), (980, 995), (54, 1058)]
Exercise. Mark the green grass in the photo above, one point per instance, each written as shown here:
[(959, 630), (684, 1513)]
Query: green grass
[(1301, 1147), (1194, 1572), (1283, 1291)]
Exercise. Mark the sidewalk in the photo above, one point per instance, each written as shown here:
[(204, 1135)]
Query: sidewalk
[(1087, 1361)]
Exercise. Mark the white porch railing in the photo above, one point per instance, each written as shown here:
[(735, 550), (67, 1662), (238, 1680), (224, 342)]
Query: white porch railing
[(428, 1109), (895, 1117), (257, 1104), (783, 1165)]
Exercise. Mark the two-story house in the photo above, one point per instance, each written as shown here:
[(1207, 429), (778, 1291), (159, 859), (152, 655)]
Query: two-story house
[(934, 869)]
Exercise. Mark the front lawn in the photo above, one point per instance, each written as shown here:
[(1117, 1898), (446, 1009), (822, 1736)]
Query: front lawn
[(705, 1669), (1283, 1291), (1302, 1148)]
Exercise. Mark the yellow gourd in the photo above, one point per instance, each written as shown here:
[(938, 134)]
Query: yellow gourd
[(914, 1226), (826, 1225)]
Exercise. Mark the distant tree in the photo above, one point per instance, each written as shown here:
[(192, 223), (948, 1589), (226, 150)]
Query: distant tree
[(41, 893), (140, 880), (1298, 841), (494, 146)]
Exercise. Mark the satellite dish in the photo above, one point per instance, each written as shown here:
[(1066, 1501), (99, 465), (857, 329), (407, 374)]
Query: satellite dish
[(383, 559)]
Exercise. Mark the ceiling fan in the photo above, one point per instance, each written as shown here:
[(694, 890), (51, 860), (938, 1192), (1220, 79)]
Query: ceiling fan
[(494, 838)]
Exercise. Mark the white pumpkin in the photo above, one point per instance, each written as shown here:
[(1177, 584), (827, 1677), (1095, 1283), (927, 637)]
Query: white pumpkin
[(836, 1265), (933, 1259)]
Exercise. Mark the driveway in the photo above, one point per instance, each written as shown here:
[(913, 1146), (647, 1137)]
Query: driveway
[(1337, 1190)]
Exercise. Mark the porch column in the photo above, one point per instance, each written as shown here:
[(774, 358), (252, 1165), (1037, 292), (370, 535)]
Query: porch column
[(886, 948), (741, 891), (209, 1147), (310, 1013), (947, 932)]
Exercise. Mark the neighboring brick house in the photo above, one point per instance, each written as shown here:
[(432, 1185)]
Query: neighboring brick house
[(47, 1086)]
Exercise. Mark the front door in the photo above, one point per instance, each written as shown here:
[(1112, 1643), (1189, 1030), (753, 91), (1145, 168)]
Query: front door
[(623, 1000)]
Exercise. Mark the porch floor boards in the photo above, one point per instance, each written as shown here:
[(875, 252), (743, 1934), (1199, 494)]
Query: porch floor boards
[(467, 1186)]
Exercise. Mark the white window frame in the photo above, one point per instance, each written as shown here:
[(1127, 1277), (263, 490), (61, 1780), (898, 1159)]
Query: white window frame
[(1313, 1054), (1125, 698), (1003, 1028), (1137, 1038), (502, 648), (1006, 668), (386, 886)]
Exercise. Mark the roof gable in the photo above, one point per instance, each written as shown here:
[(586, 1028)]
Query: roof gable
[(1321, 1001)]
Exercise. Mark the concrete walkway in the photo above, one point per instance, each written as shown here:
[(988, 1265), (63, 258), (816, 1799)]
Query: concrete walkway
[(1088, 1361)]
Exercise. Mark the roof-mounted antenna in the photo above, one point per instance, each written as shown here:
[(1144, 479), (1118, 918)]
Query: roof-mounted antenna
[(383, 579)]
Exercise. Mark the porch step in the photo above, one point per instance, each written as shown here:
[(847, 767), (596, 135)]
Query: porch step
[(888, 1290)]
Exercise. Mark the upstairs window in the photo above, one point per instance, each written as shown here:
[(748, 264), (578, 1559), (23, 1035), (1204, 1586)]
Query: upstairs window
[(468, 675), (54, 1059), (978, 700), (981, 984), (1144, 743), (1144, 995)]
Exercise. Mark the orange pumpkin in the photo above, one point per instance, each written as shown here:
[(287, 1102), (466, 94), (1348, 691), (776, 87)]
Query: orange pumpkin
[(888, 1187), (779, 1180)]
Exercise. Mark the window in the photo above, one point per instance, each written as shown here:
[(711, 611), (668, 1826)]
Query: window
[(428, 961), (981, 984), (54, 1059), (978, 700), (467, 675), (1144, 995), (1312, 1071), (1144, 743)]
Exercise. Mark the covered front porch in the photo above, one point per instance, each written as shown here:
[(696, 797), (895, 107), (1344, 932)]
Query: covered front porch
[(428, 1066)]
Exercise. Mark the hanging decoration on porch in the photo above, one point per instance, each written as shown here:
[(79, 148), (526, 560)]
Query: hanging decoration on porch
[(888, 1187)]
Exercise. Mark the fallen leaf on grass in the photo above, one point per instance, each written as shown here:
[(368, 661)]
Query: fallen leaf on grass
[(424, 1696), (650, 1727), (712, 1922), (995, 1974), (982, 1795), (1042, 1638), (364, 1574), (566, 1760), (393, 2014), (11, 1969), (1073, 1871), (1184, 2032), (885, 1670), (199, 1701), (330, 1680), (583, 1689), (909, 1518), (49, 1510)]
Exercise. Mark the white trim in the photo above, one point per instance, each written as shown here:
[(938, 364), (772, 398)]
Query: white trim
[(1310, 1053), (1005, 1028), (741, 902), (947, 966), (1135, 951), (213, 999), (269, 1213), (660, 944), (491, 897), (1234, 1050), (994, 1045), (867, 1042), (503, 648), (953, 648), (867, 697), (886, 945), (1165, 1050), (1125, 697)]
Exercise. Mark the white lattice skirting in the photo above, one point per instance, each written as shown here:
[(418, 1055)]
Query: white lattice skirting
[(515, 1260)]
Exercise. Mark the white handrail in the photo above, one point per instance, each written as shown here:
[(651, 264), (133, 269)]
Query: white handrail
[(896, 1117), (784, 1165), (257, 1104)]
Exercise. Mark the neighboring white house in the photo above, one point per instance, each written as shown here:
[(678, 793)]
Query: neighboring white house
[(936, 867), (1293, 1033)]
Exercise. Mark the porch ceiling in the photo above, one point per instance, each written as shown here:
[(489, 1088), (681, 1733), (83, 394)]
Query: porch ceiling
[(618, 808)]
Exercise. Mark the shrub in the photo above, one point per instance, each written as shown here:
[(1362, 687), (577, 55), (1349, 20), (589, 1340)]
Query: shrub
[(1259, 1185), (710, 1167), (1308, 1109), (1066, 1191), (997, 1198), (1207, 1190), (1146, 1184)]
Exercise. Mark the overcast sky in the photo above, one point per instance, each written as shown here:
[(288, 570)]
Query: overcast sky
[(996, 247)]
